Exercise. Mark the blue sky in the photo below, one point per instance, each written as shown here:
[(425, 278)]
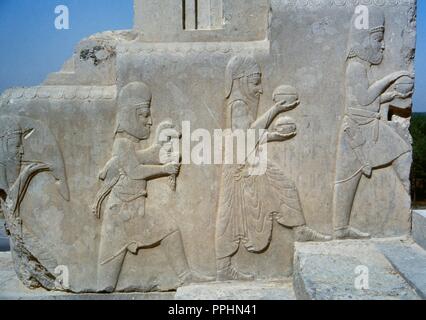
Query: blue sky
[(32, 47)]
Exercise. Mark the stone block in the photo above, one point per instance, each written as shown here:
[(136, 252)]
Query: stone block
[(347, 270), (258, 290), (419, 227), (410, 261)]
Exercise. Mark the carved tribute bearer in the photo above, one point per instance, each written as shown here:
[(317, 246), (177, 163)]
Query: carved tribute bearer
[(249, 203), (367, 142), (15, 176), (126, 226)]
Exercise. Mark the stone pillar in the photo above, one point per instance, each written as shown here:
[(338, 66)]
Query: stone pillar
[(190, 18)]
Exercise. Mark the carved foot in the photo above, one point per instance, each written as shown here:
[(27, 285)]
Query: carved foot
[(231, 273), (306, 234), (350, 233), (195, 277)]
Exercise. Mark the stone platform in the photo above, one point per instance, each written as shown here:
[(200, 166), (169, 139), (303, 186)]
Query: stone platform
[(392, 269), (12, 289), (268, 290), (389, 269)]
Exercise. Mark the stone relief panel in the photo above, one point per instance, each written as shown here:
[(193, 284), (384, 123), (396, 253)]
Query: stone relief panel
[(134, 223), (34, 263)]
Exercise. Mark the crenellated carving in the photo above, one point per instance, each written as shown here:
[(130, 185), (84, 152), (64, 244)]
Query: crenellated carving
[(59, 93)]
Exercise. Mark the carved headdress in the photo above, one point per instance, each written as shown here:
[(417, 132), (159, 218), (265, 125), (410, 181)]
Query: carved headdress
[(134, 96), (43, 148), (9, 166), (359, 37), (239, 67)]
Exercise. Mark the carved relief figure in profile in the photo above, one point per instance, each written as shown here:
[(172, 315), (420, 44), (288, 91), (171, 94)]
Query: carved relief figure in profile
[(126, 227), (366, 141), (248, 203), (15, 177)]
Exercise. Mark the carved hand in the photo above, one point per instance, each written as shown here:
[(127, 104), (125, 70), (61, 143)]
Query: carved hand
[(280, 137), (401, 95), (403, 73), (282, 106), (171, 169), (367, 170)]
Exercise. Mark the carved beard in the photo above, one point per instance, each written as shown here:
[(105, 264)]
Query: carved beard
[(250, 98), (367, 54), (374, 58)]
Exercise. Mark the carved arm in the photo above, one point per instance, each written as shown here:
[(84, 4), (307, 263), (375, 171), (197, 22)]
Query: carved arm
[(150, 172), (264, 121), (367, 94)]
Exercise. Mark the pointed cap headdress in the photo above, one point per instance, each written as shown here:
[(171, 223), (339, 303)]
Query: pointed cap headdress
[(239, 67)]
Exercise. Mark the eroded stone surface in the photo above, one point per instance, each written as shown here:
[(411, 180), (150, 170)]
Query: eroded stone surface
[(12, 289)]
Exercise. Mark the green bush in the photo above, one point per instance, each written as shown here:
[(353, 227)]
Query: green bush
[(418, 131)]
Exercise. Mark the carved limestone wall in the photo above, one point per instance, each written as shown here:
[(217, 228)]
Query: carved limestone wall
[(247, 60)]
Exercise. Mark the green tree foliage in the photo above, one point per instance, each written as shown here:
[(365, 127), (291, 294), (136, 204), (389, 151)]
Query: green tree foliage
[(418, 131)]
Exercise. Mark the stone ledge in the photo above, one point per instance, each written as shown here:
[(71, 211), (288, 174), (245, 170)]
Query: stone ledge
[(329, 271), (12, 289), (258, 290), (410, 261), (419, 227)]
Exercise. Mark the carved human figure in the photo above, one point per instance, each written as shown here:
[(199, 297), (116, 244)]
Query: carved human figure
[(126, 226), (366, 141), (249, 203), (15, 177)]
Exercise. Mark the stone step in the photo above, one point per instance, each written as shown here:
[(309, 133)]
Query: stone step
[(12, 289), (419, 227), (256, 290), (349, 270), (410, 261)]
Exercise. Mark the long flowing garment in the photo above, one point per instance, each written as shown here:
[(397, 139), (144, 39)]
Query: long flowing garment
[(248, 206)]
